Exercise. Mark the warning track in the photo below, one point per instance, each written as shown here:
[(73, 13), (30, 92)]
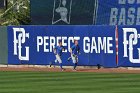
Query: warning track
[(102, 70)]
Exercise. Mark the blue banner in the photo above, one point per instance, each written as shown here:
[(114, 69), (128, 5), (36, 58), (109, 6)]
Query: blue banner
[(34, 44), (118, 12), (129, 46)]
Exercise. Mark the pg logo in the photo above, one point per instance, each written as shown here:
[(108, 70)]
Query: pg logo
[(20, 38), (130, 39)]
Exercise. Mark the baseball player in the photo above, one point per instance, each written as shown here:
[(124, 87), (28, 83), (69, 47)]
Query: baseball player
[(58, 53), (75, 50)]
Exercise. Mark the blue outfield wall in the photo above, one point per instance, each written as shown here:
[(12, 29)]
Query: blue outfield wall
[(34, 44), (96, 43)]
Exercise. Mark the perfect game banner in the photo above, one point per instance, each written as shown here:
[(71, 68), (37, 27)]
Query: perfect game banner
[(118, 12), (34, 44), (129, 46), (63, 12)]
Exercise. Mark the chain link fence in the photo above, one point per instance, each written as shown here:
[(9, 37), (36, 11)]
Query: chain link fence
[(70, 12)]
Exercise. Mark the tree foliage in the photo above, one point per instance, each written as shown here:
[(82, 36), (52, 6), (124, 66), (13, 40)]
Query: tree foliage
[(17, 13)]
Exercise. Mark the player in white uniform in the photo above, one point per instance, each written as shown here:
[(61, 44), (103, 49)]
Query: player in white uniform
[(75, 50), (58, 53)]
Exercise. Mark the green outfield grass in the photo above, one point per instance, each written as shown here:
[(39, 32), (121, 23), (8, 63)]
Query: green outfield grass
[(62, 82)]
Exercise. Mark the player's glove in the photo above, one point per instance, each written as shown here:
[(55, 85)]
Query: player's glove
[(55, 52), (73, 55)]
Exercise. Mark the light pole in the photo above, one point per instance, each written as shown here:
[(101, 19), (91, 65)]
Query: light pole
[(5, 3)]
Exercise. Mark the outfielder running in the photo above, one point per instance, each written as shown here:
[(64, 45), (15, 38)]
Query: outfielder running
[(58, 53), (75, 50)]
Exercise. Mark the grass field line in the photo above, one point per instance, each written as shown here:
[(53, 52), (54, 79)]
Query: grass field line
[(63, 82)]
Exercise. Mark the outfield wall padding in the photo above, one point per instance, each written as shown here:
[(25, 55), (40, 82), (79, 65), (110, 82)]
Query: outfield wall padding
[(97, 44), (3, 45), (109, 46)]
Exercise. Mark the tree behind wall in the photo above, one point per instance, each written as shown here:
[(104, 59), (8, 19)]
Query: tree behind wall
[(17, 13)]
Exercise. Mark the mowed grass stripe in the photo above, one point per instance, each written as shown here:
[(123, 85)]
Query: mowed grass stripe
[(57, 82)]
